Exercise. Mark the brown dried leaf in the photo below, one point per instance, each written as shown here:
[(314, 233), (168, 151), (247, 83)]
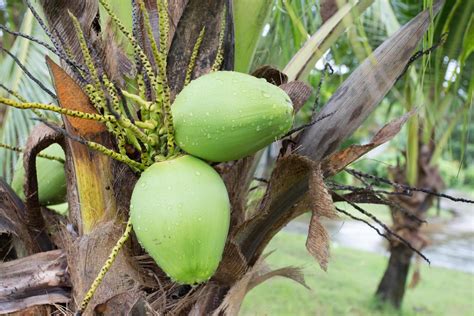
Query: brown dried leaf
[(317, 242), (321, 200), (232, 266), (358, 96), (235, 296), (258, 274), (11, 210), (391, 129), (72, 97), (256, 231), (237, 177), (339, 160), (39, 279), (299, 93), (329, 7), (293, 273), (272, 75)]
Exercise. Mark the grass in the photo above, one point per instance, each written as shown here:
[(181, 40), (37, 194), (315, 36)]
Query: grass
[(348, 286)]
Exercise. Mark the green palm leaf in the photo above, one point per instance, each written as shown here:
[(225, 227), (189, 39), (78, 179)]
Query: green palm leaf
[(17, 123)]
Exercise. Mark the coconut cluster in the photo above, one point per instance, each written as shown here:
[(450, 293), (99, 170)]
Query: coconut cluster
[(180, 208)]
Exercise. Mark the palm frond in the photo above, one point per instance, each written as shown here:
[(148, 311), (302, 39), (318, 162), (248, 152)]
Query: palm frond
[(17, 123)]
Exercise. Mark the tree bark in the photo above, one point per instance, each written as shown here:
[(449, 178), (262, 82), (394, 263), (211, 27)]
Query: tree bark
[(35, 280), (392, 286)]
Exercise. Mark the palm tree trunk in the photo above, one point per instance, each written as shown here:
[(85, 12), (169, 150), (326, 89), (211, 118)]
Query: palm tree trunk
[(391, 288)]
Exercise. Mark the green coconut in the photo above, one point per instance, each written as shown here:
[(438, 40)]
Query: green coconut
[(180, 212), (228, 115), (50, 174)]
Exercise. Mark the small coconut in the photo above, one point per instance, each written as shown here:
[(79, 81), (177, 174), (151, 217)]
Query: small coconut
[(180, 213), (228, 115)]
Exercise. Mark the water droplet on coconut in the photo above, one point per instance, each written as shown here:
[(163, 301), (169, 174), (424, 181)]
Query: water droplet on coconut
[(265, 95), (258, 128), (198, 173)]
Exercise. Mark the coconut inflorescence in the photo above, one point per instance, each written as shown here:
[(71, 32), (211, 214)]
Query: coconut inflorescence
[(227, 115)]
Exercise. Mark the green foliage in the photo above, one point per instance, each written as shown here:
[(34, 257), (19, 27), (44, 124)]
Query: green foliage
[(278, 43), (16, 124), (248, 26)]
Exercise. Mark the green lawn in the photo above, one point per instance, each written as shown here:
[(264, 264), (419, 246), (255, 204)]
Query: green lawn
[(348, 286)]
